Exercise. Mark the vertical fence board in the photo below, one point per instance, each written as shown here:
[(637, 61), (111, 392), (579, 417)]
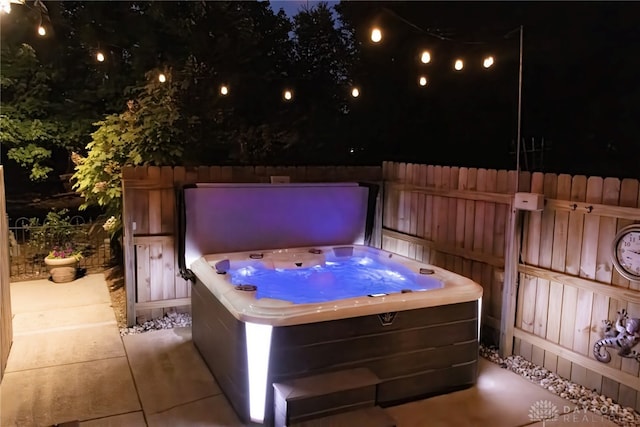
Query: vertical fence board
[(573, 334), (143, 279), (6, 319), (499, 243), (440, 231), (460, 217), (450, 260), (469, 220), (412, 178), (422, 181), (536, 306), (559, 245), (402, 247), (629, 198)]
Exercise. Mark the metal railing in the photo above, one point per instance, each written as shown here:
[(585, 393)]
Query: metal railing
[(27, 261)]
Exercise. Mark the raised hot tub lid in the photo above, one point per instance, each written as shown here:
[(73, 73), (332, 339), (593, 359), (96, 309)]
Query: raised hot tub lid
[(224, 218)]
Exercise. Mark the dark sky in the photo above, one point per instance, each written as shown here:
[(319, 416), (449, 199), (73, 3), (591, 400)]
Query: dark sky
[(581, 65)]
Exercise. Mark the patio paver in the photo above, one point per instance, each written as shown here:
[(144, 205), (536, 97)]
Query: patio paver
[(168, 370)]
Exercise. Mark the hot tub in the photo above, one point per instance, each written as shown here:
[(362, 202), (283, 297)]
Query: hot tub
[(419, 336)]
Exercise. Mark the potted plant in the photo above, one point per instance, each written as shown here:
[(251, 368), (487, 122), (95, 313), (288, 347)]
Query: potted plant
[(58, 237)]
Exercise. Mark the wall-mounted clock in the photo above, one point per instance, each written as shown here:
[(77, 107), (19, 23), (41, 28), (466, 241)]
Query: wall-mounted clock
[(626, 252)]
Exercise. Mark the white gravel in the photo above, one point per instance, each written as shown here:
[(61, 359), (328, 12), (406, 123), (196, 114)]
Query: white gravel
[(168, 321), (581, 397)]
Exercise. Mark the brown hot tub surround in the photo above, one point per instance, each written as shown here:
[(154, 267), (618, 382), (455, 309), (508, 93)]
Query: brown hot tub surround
[(417, 343)]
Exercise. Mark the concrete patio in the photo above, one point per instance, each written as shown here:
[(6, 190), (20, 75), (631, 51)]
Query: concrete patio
[(68, 364)]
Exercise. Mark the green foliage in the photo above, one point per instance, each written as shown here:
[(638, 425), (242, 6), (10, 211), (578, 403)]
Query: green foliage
[(26, 126), (149, 132)]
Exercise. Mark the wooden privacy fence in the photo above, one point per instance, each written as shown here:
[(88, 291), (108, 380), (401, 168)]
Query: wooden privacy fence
[(150, 224), (568, 284), (455, 218), (462, 219), (6, 327)]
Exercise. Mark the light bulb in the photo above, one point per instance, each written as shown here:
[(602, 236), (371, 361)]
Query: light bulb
[(42, 31), (162, 78), (459, 65), (488, 62), (99, 57), (355, 92), (425, 57), (288, 95), (376, 35), (224, 90), (422, 81)]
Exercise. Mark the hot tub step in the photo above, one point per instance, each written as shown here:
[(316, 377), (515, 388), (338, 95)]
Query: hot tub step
[(323, 395), (373, 416)]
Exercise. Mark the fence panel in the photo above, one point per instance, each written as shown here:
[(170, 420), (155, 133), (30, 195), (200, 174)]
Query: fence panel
[(567, 283), (6, 326), (576, 282), (460, 217)]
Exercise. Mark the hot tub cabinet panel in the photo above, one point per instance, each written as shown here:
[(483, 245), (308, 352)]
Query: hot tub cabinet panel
[(220, 339), (421, 352)]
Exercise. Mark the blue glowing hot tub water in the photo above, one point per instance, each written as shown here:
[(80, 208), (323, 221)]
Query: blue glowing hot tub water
[(337, 279)]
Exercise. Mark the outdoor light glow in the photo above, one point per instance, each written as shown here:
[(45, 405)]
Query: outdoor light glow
[(41, 30), (288, 95), (488, 62), (479, 316), (258, 339), (162, 78), (425, 58), (5, 6), (99, 57), (355, 92), (459, 64), (376, 35), (224, 90), (422, 81)]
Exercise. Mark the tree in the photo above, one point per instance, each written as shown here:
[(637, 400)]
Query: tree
[(323, 55), (26, 123)]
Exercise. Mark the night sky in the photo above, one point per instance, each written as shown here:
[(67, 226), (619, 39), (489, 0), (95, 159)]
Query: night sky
[(580, 86)]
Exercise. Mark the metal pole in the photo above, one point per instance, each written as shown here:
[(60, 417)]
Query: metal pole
[(519, 113)]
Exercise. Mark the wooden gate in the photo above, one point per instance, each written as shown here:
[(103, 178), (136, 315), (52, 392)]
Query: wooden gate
[(6, 329)]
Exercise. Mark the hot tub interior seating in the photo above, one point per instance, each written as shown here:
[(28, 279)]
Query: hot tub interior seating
[(281, 362)]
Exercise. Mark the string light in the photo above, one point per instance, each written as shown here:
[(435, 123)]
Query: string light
[(287, 95), (422, 81), (162, 78), (100, 57), (376, 35), (488, 62), (42, 31), (224, 90), (355, 92), (425, 58), (459, 65)]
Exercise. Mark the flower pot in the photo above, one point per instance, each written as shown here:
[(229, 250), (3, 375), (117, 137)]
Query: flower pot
[(62, 270)]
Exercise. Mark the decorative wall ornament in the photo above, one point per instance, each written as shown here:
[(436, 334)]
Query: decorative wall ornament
[(623, 336)]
